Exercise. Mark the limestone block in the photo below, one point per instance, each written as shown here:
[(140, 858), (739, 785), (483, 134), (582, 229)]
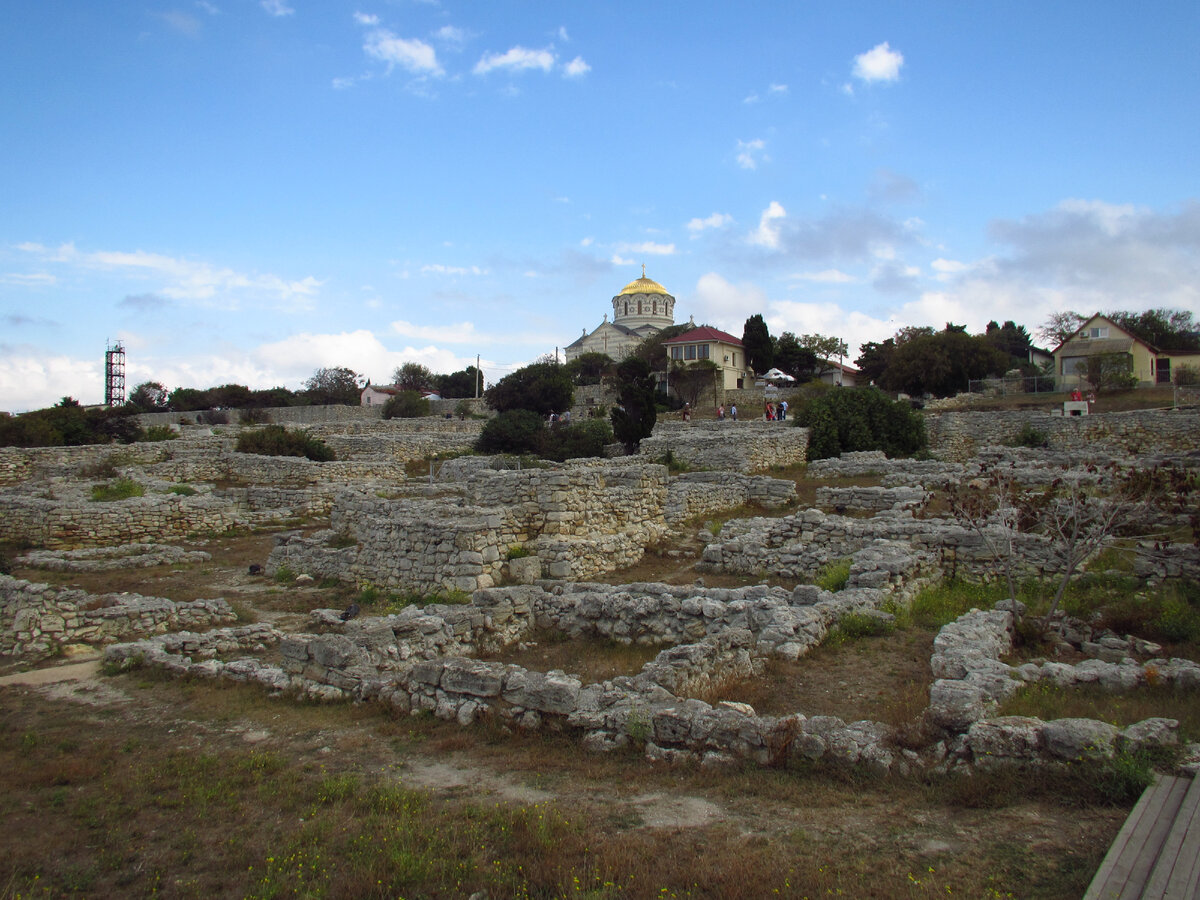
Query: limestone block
[(1008, 737), (1073, 739), (469, 676), (955, 705), (1150, 733)]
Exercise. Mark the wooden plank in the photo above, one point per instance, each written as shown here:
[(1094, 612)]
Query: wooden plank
[(1130, 859), (1176, 875)]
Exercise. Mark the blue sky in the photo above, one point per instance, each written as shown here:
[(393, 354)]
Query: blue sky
[(246, 191)]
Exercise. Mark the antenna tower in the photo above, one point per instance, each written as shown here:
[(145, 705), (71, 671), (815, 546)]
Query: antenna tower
[(114, 375)]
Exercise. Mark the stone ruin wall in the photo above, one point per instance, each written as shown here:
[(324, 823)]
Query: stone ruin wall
[(40, 620), (743, 446), (957, 436)]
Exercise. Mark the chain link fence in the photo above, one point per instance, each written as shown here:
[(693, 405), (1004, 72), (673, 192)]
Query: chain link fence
[(1024, 384)]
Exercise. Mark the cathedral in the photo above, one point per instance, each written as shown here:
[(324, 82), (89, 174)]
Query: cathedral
[(643, 308)]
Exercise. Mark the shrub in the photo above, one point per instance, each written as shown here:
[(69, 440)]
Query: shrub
[(183, 490), (158, 433), (859, 625), (275, 440), (1186, 376), (513, 431), (853, 419), (587, 437), (1029, 436), (121, 489), (833, 575), (255, 416), (406, 405), (517, 551), (212, 417)]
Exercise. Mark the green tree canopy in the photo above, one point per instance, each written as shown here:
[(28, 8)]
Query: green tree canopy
[(793, 358), (1011, 339), (589, 368), (941, 364), (149, 396), (874, 358), (857, 419), (1166, 329), (330, 386), (413, 377), (635, 415), (461, 384), (541, 387), (651, 349), (756, 342)]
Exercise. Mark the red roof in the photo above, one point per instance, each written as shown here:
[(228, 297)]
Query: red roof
[(705, 333)]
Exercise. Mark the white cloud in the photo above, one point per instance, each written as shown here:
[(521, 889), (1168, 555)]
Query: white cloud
[(366, 18), (31, 378), (562, 34), (947, 268), (576, 68), (647, 247), (276, 7), (826, 276), (187, 280), (438, 269), (29, 279), (880, 63), (750, 153), (716, 220), (618, 260), (725, 304), (767, 233), (460, 333), (778, 89), (517, 59), (829, 319), (450, 34), (414, 55)]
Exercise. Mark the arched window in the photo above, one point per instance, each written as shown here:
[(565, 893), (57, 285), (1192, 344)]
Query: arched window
[(626, 307), (639, 307)]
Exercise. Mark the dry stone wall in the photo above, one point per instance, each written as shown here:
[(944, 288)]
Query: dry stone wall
[(744, 446), (38, 620)]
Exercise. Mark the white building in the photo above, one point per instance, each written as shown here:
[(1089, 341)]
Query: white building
[(643, 308)]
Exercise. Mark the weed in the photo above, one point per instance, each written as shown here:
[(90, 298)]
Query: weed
[(158, 433), (859, 625), (183, 490), (121, 489), (674, 465), (341, 540), (1028, 436), (284, 574), (833, 575), (245, 615), (517, 551)]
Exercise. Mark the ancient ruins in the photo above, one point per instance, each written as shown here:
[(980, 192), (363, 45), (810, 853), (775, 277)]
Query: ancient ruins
[(506, 550)]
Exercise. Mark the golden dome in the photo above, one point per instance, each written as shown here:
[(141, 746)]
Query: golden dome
[(643, 285)]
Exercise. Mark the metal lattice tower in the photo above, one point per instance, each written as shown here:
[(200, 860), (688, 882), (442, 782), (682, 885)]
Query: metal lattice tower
[(114, 375)]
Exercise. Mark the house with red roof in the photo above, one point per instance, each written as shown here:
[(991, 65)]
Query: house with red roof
[(719, 347)]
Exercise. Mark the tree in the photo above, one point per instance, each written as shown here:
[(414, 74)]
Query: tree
[(330, 386), (467, 383), (793, 358), (874, 358), (825, 349), (635, 414), (941, 364), (413, 377), (651, 349), (541, 387), (513, 431), (589, 368), (149, 396), (1110, 372), (756, 341), (1011, 339), (695, 379), (861, 419), (1060, 326), (1166, 329), (405, 405)]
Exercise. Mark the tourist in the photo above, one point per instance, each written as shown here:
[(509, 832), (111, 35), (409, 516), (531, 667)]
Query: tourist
[(769, 411), (687, 412), (782, 410), (733, 411), (721, 412)]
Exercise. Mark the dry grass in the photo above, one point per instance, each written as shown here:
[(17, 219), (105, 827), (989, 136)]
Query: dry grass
[(1049, 701), (592, 660), (164, 795)]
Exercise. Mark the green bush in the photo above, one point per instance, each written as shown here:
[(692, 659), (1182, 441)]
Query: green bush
[(254, 416), (585, 438), (855, 419), (406, 405), (275, 440), (517, 551), (860, 625), (158, 433), (183, 490), (121, 489), (513, 431), (1029, 436), (833, 575)]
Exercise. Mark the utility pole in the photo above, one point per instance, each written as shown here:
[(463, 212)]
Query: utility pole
[(478, 376)]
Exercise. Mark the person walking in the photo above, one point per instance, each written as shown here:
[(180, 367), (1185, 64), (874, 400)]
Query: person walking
[(733, 411)]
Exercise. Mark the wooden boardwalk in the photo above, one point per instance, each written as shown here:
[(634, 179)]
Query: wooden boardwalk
[(1157, 852)]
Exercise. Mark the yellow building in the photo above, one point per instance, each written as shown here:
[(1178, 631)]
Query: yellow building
[(719, 347), (1100, 336)]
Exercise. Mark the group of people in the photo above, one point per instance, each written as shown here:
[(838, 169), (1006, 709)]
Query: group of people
[(732, 412), (775, 412)]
